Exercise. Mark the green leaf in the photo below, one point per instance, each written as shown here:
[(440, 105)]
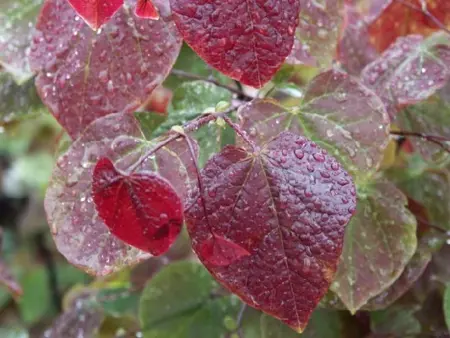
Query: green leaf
[(13, 332), (118, 302), (17, 21), (181, 302), (379, 241), (149, 122), (190, 100), (273, 328), (397, 320), (447, 306), (17, 101)]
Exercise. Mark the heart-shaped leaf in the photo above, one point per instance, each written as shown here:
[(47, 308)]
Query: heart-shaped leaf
[(410, 71), (84, 75), (96, 12), (269, 225), (146, 9), (69, 201), (142, 209), (246, 40)]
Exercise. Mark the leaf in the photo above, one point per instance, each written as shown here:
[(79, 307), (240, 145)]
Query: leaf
[(81, 319), (180, 302), (190, 100), (320, 26), (149, 122), (282, 211), (18, 101), (6, 277), (337, 112), (146, 9), (118, 302), (246, 40), (410, 71), (96, 12), (354, 49), (17, 19), (140, 208), (14, 332), (430, 117), (397, 320), (399, 19), (69, 201), (84, 75), (447, 306), (379, 242)]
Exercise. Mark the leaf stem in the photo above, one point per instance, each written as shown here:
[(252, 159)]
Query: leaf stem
[(436, 139), (239, 91), (241, 133)]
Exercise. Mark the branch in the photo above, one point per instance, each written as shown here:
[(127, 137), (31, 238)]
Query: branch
[(239, 92), (436, 139), (423, 9)]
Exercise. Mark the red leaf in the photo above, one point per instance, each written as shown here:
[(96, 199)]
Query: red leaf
[(146, 9), (400, 19), (96, 12), (84, 75), (246, 40), (274, 224), (142, 209)]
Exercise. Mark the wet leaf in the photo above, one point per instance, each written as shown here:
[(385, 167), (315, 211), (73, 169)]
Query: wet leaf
[(398, 320), (275, 220), (149, 122), (180, 301), (354, 49), (317, 34), (190, 100), (80, 234), (82, 319), (140, 208), (430, 117), (410, 70), (18, 101), (398, 19), (96, 12), (84, 75), (118, 302), (247, 41), (338, 113), (379, 242), (17, 19), (146, 9)]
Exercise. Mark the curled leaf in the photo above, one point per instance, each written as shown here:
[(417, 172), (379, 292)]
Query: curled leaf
[(142, 209), (83, 75), (146, 9), (96, 12), (269, 224), (246, 40)]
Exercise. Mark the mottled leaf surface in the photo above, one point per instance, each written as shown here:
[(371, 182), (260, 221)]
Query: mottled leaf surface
[(84, 74), (17, 19), (318, 32), (379, 242), (397, 19), (337, 112), (18, 101), (246, 40), (180, 301), (80, 234), (96, 12), (140, 208), (410, 70), (146, 9), (273, 224), (354, 49)]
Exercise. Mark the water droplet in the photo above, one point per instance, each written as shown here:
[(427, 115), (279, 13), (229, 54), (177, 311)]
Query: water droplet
[(319, 157), (299, 154)]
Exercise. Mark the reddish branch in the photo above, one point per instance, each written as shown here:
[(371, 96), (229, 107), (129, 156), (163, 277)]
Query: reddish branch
[(436, 139)]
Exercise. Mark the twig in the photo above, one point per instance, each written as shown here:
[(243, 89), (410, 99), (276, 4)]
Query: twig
[(239, 319), (239, 92), (436, 139), (423, 9), (240, 132)]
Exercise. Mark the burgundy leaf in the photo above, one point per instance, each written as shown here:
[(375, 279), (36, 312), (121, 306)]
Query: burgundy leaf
[(96, 12), (79, 233), (411, 70), (84, 75), (246, 40), (274, 224), (146, 9), (142, 209)]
